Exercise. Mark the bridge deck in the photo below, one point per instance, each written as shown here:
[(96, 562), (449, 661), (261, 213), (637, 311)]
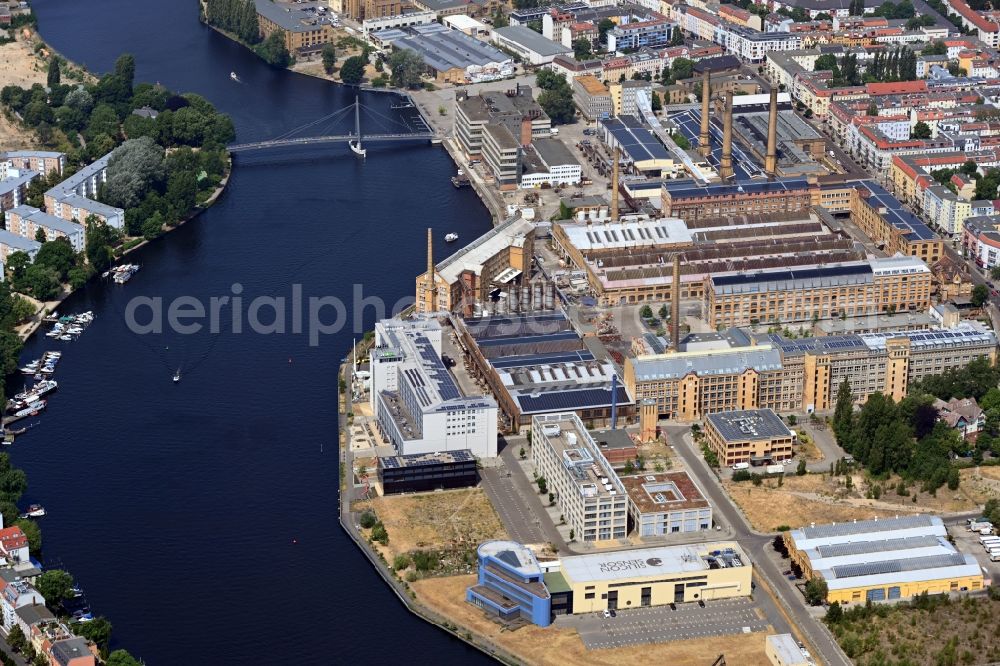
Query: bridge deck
[(309, 140)]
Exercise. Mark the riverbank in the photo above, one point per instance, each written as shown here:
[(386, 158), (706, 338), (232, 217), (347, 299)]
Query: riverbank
[(349, 523), (42, 309)]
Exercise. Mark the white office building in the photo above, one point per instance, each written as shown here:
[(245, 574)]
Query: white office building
[(415, 399)]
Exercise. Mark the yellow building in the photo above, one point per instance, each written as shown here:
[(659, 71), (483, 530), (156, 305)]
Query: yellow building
[(653, 576), (885, 559), (738, 372), (883, 219), (300, 28), (875, 286), (748, 436)]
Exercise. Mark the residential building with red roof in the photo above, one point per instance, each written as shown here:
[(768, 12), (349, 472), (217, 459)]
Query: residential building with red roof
[(987, 30), (14, 544)]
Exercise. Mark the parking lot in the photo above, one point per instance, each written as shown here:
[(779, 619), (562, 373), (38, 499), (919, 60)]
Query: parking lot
[(660, 624), (968, 542)]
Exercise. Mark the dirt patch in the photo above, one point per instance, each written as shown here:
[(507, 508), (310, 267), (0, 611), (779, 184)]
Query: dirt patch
[(21, 67), (441, 520), (981, 484), (800, 500), (557, 645)]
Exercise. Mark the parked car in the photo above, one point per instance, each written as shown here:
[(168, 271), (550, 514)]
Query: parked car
[(607, 613)]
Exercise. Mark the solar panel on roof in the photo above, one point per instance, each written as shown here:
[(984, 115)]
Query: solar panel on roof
[(551, 401)]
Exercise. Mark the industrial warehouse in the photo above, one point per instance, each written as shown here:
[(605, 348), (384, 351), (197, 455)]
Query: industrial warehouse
[(536, 363), (512, 582), (883, 559)]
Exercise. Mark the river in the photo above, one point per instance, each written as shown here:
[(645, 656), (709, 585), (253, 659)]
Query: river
[(201, 517)]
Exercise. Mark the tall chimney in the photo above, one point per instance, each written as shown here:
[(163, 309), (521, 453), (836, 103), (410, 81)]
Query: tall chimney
[(771, 160), (430, 297), (616, 156), (675, 304), (704, 145), (726, 163)]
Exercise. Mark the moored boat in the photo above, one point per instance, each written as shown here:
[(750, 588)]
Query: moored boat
[(34, 511), (451, 238)]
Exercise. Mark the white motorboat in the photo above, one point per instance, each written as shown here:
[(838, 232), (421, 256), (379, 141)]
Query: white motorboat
[(177, 375), (234, 77), (451, 238)]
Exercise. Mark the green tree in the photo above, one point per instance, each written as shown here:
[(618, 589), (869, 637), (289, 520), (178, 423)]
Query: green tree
[(41, 282), (681, 141), (980, 295), (542, 485), (605, 26), (40, 235), (52, 78), (816, 591), (676, 37), (801, 469), (400, 562), (500, 19), (16, 638), (125, 70), (826, 62), (121, 658), (834, 613), (646, 312), (843, 415), (133, 168), (100, 238), (582, 49), (98, 631), (329, 56), (57, 255), (34, 534), (353, 70), (629, 468), (656, 104), (921, 130), (407, 67), (273, 50), (55, 585), (367, 520), (380, 534)]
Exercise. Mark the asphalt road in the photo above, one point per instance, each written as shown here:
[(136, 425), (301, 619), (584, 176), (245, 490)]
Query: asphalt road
[(791, 605)]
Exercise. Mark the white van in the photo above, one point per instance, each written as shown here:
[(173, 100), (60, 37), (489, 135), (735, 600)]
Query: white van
[(995, 557), (742, 465)]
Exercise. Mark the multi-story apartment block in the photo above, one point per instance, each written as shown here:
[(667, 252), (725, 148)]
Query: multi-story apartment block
[(41, 161), (74, 199), (587, 489), (652, 33), (875, 286), (26, 221), (772, 372)]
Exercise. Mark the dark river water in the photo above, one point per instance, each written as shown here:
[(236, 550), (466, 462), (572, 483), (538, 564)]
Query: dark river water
[(201, 517)]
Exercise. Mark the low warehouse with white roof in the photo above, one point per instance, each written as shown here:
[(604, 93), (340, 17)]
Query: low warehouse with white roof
[(883, 559)]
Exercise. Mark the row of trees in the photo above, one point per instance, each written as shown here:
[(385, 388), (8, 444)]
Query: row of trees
[(238, 17), (899, 64), (845, 71), (892, 10)]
